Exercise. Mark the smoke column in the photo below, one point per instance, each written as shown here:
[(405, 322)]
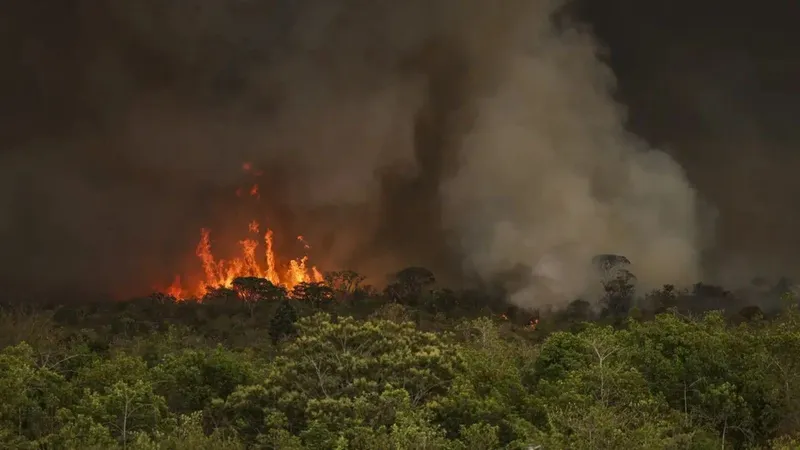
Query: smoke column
[(548, 176), (462, 135)]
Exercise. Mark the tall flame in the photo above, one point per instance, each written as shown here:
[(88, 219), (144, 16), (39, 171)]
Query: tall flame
[(221, 273)]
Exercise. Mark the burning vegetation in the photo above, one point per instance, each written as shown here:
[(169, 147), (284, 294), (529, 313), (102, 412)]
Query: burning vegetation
[(252, 263)]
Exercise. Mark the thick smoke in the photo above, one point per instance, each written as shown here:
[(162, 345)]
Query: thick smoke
[(456, 134), (725, 104), (549, 176)]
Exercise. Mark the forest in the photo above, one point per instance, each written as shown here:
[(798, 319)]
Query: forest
[(340, 364)]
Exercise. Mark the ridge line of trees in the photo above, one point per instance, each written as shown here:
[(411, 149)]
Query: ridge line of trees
[(341, 365)]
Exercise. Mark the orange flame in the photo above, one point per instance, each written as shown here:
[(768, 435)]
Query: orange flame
[(221, 273), (174, 290), (271, 272)]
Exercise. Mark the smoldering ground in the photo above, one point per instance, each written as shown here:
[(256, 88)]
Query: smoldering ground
[(466, 136)]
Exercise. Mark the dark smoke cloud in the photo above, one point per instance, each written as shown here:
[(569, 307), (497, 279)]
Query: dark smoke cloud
[(455, 134)]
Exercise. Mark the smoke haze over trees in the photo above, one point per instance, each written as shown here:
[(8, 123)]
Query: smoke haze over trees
[(449, 134)]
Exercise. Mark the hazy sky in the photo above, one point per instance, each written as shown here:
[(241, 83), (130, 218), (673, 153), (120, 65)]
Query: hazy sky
[(123, 129)]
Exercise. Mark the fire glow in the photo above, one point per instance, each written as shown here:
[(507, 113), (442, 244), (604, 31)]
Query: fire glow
[(222, 273)]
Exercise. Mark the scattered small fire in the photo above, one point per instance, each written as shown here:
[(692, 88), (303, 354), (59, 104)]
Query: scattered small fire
[(532, 324), (221, 272)]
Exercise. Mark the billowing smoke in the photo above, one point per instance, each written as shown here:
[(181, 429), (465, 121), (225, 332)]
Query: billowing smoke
[(463, 135), (549, 176)]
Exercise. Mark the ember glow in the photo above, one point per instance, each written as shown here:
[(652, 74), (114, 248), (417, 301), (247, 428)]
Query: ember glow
[(252, 261)]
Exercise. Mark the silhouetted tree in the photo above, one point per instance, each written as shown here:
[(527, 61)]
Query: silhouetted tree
[(619, 294), (441, 301), (282, 323), (253, 290), (409, 284), (315, 294), (221, 296), (366, 291), (578, 311), (661, 300), (608, 264), (344, 281), (751, 312), (709, 291), (707, 297), (161, 298)]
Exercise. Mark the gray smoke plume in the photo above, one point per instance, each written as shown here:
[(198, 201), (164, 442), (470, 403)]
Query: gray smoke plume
[(455, 134), (549, 176)]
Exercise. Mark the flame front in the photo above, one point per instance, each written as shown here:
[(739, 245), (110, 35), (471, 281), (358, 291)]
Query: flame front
[(221, 273)]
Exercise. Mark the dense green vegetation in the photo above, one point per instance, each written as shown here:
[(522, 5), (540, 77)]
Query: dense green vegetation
[(338, 365)]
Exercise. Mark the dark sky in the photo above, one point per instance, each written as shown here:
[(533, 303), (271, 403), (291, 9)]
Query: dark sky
[(714, 83)]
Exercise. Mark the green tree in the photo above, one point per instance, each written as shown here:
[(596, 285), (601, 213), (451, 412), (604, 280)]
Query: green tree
[(29, 398), (332, 375), (98, 373), (78, 431), (489, 393), (393, 312), (188, 434), (124, 409), (598, 400), (705, 371), (189, 380), (781, 361)]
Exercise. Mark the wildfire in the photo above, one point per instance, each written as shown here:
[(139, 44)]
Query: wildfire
[(221, 273)]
